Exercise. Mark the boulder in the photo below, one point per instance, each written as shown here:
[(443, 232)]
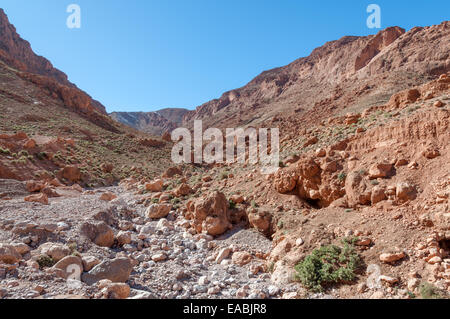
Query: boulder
[(8, 254), (98, 232), (155, 186), (392, 257), (116, 270), (406, 191), (156, 211), (381, 170), (182, 190), (71, 265), (38, 198), (211, 214), (56, 251), (71, 173), (116, 291), (241, 258), (357, 189)]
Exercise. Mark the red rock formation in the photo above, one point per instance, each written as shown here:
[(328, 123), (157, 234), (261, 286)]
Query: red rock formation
[(18, 54)]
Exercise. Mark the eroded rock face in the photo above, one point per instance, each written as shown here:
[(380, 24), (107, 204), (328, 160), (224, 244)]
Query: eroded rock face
[(211, 214), (376, 45), (312, 179)]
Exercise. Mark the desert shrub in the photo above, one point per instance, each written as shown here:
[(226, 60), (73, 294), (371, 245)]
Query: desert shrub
[(5, 151), (45, 261), (342, 176), (428, 291), (328, 265), (231, 204)]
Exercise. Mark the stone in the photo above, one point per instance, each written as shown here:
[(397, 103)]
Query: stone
[(56, 251), (183, 190), (71, 265), (211, 214), (156, 211), (34, 186), (71, 173), (381, 170), (38, 198), (378, 194), (155, 186), (108, 196), (159, 257), (392, 257), (89, 262), (124, 238), (21, 248), (98, 232), (241, 258), (116, 291), (223, 254), (406, 191), (8, 254), (116, 270)]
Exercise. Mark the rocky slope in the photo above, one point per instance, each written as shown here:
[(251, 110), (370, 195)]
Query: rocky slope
[(17, 53), (344, 75)]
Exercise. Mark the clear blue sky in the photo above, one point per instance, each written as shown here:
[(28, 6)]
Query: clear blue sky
[(142, 55)]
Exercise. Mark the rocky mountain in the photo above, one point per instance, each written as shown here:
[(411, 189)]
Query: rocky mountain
[(343, 75), (17, 53), (156, 123)]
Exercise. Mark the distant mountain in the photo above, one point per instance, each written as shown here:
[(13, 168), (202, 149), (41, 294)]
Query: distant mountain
[(155, 123)]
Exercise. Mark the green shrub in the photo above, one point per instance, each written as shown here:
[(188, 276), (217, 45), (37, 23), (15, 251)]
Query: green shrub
[(342, 176), (428, 291), (5, 151), (231, 204), (45, 261), (328, 265)]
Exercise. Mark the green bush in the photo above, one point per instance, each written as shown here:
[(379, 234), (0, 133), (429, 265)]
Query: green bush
[(328, 265), (45, 261), (428, 291), (231, 204), (342, 176), (5, 151)]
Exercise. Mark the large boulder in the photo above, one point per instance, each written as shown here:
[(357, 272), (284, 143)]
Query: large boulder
[(381, 170), (98, 232), (70, 265), (211, 214), (357, 189), (8, 254), (155, 186), (71, 173), (156, 211), (56, 251), (116, 270), (406, 191)]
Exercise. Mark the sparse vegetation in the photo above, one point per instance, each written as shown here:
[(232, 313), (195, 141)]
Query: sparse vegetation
[(45, 261), (328, 265)]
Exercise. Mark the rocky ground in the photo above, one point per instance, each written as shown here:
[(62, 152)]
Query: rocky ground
[(160, 258)]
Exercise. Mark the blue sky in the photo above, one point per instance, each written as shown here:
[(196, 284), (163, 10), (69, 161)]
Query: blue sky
[(143, 55)]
